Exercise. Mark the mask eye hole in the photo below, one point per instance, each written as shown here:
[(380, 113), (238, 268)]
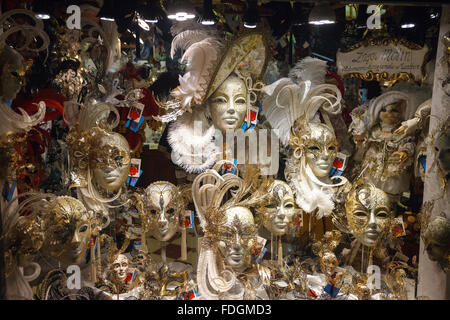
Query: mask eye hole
[(240, 101), (332, 148), (270, 206), (382, 214), (15, 74), (83, 228), (436, 148), (153, 211), (313, 148), (220, 100), (171, 211), (360, 214), (289, 205)]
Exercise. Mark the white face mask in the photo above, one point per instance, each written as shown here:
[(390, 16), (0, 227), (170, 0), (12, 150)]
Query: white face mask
[(320, 149), (112, 162), (162, 208), (236, 241), (120, 267), (278, 213), (228, 104)]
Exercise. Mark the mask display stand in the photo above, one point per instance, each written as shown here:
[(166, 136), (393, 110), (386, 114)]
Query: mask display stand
[(163, 252), (183, 244)]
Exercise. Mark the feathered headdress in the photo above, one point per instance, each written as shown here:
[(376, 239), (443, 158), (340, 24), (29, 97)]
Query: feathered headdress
[(209, 61)]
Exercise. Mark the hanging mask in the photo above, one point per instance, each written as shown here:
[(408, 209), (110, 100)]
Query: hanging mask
[(68, 228), (163, 206), (278, 213), (369, 213), (236, 237), (110, 160), (13, 70), (228, 105)]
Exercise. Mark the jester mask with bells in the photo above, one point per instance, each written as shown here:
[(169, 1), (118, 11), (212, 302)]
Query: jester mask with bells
[(369, 213), (163, 205), (68, 228), (278, 209)]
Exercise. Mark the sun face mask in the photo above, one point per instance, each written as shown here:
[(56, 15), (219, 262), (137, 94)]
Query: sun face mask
[(236, 238), (368, 213), (163, 209)]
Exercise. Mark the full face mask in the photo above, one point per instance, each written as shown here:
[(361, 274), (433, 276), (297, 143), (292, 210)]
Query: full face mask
[(277, 215), (237, 237), (368, 213), (120, 267), (111, 161), (68, 229), (320, 149), (228, 104), (163, 209)]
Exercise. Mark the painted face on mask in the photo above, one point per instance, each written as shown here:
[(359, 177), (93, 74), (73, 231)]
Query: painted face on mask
[(320, 149), (68, 228), (228, 104), (392, 114), (368, 213), (120, 267), (237, 237), (163, 209), (111, 161), (437, 239), (278, 213), (442, 148)]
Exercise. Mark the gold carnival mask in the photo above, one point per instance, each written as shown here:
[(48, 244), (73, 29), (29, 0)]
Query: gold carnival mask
[(317, 142), (68, 227), (228, 105), (369, 213), (236, 237), (162, 206), (278, 213), (110, 160)]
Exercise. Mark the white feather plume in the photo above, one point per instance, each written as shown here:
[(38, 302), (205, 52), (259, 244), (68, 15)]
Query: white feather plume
[(200, 57), (311, 69)]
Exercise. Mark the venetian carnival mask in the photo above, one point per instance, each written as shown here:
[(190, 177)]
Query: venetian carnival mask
[(278, 213), (228, 105), (111, 161), (437, 239), (13, 72), (368, 213), (442, 147), (237, 237), (162, 207), (320, 149), (68, 228), (120, 267)]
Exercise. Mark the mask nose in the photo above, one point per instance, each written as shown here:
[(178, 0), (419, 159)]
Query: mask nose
[(372, 224), (162, 221)]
